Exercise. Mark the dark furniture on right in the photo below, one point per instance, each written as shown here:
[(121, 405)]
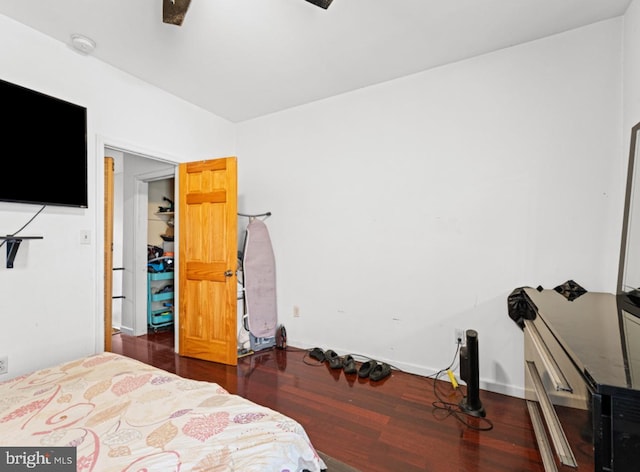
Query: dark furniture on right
[(582, 379)]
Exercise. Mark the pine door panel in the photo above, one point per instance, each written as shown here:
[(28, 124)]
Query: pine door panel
[(208, 256)]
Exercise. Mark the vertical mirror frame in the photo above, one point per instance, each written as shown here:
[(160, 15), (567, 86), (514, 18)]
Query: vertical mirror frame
[(629, 201)]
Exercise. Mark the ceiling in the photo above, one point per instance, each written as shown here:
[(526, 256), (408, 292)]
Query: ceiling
[(242, 59)]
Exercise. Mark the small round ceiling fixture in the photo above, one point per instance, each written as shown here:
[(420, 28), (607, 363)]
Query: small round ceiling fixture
[(82, 44)]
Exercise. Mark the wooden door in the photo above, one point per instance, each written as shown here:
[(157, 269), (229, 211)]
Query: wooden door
[(108, 251), (208, 259)]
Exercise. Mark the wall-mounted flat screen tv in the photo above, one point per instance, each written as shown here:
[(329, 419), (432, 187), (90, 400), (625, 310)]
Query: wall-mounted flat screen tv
[(44, 146)]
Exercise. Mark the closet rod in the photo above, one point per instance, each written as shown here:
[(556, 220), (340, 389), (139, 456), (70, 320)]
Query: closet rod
[(256, 215)]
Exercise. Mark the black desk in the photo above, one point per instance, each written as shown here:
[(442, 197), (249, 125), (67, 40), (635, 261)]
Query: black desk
[(600, 335)]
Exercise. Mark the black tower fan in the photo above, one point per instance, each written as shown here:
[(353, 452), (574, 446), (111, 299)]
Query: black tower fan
[(469, 372)]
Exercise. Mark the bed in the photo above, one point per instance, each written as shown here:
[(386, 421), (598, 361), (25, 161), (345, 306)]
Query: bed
[(123, 415)]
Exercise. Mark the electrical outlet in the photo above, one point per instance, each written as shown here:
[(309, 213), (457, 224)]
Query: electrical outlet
[(4, 364), (296, 311), (459, 336)]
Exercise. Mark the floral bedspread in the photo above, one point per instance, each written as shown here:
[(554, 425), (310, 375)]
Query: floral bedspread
[(124, 415)]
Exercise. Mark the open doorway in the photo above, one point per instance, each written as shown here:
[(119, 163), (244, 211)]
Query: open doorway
[(160, 255), (139, 184)]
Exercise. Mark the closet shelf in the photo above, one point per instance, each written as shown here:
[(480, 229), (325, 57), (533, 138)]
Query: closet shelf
[(158, 297)]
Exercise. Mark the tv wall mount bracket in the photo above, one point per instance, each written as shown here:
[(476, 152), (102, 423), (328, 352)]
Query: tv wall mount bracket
[(13, 243)]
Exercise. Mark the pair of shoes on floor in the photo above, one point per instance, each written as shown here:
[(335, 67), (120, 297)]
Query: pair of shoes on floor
[(374, 370), (335, 361), (347, 363)]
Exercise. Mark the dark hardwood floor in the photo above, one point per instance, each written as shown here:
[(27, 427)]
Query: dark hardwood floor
[(389, 425)]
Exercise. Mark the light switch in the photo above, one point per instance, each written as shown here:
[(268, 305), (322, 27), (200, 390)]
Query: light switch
[(85, 236)]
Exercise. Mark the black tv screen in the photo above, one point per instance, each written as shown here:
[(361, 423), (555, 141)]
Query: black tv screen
[(44, 146)]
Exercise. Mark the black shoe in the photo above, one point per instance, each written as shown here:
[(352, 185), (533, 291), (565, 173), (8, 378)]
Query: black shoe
[(317, 354), (380, 372), (349, 364), (335, 362), (367, 368)]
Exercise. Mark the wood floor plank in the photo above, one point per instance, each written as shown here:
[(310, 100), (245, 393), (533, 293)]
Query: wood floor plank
[(386, 426)]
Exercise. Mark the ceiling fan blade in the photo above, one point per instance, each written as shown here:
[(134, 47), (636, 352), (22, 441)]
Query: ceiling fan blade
[(173, 11), (321, 3)]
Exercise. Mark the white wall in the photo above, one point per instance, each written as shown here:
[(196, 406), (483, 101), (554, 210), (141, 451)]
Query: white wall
[(405, 210), (51, 303)]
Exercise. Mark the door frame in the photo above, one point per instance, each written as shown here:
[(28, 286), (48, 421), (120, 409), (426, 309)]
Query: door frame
[(108, 173), (103, 146)]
